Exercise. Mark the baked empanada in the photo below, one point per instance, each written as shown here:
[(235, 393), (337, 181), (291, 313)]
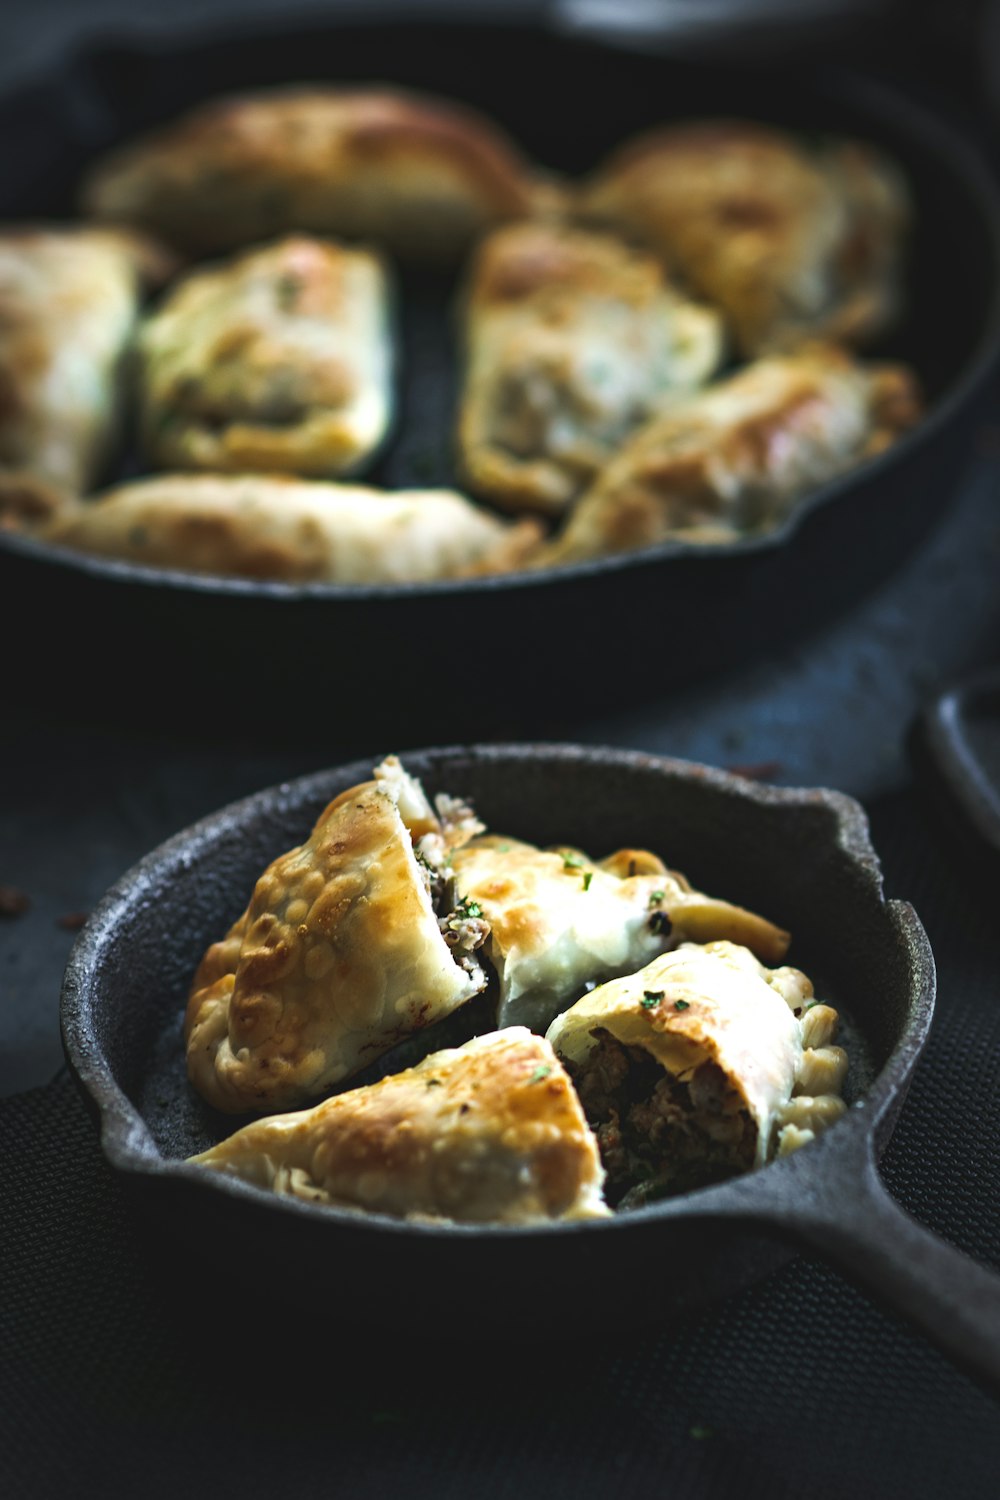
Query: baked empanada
[(69, 300), (703, 1064), (294, 530), (572, 339), (278, 360), (350, 943), (490, 1132), (559, 921), (735, 457), (791, 240), (420, 176)]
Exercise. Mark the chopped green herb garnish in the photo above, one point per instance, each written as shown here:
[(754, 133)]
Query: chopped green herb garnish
[(682, 1005), (274, 204), (810, 1003), (468, 908), (651, 998), (572, 862), (423, 465), (167, 417), (655, 897), (542, 1071), (385, 1418), (287, 289), (588, 877)]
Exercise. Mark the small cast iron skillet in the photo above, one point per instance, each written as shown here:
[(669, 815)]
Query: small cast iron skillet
[(566, 100), (801, 857)]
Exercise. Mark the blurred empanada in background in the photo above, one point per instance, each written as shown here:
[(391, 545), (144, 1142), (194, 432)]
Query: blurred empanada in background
[(419, 176)]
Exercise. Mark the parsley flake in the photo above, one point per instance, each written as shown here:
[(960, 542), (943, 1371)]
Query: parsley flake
[(542, 1071), (655, 897), (287, 289), (588, 877), (651, 998), (682, 1005), (468, 908), (167, 417), (572, 862)]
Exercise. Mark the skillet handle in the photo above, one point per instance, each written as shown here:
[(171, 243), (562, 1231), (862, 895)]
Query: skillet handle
[(951, 1298)]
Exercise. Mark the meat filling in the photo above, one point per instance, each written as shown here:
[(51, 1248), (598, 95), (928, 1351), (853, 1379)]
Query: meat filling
[(461, 923), (659, 1134), (464, 930)]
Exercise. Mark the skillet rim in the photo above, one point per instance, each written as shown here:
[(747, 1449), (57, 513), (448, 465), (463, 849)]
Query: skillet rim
[(880, 99), (768, 1195)]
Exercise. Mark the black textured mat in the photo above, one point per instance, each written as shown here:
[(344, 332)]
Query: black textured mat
[(123, 1372)]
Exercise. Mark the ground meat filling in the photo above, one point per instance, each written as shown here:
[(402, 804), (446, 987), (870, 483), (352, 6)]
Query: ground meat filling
[(461, 923), (464, 931), (659, 1135)]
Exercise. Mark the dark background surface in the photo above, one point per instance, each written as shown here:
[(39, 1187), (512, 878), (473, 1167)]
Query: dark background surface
[(122, 1372)]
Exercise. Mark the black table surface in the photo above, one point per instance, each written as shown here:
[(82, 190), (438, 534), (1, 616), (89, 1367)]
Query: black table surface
[(123, 1372)]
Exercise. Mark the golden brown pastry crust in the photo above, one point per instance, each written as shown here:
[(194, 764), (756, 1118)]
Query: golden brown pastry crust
[(559, 920), (277, 360), (338, 956), (294, 530), (69, 298), (490, 1132), (791, 241), (415, 174), (572, 339), (735, 457)]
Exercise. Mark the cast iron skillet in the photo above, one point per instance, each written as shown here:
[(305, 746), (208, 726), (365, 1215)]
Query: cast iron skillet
[(567, 100), (801, 857)]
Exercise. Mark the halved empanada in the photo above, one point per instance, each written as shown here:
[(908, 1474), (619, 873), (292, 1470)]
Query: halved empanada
[(572, 339), (277, 360), (701, 1065), (294, 530), (791, 240), (558, 921), (418, 175), (350, 943), (490, 1132), (735, 457), (69, 301)]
